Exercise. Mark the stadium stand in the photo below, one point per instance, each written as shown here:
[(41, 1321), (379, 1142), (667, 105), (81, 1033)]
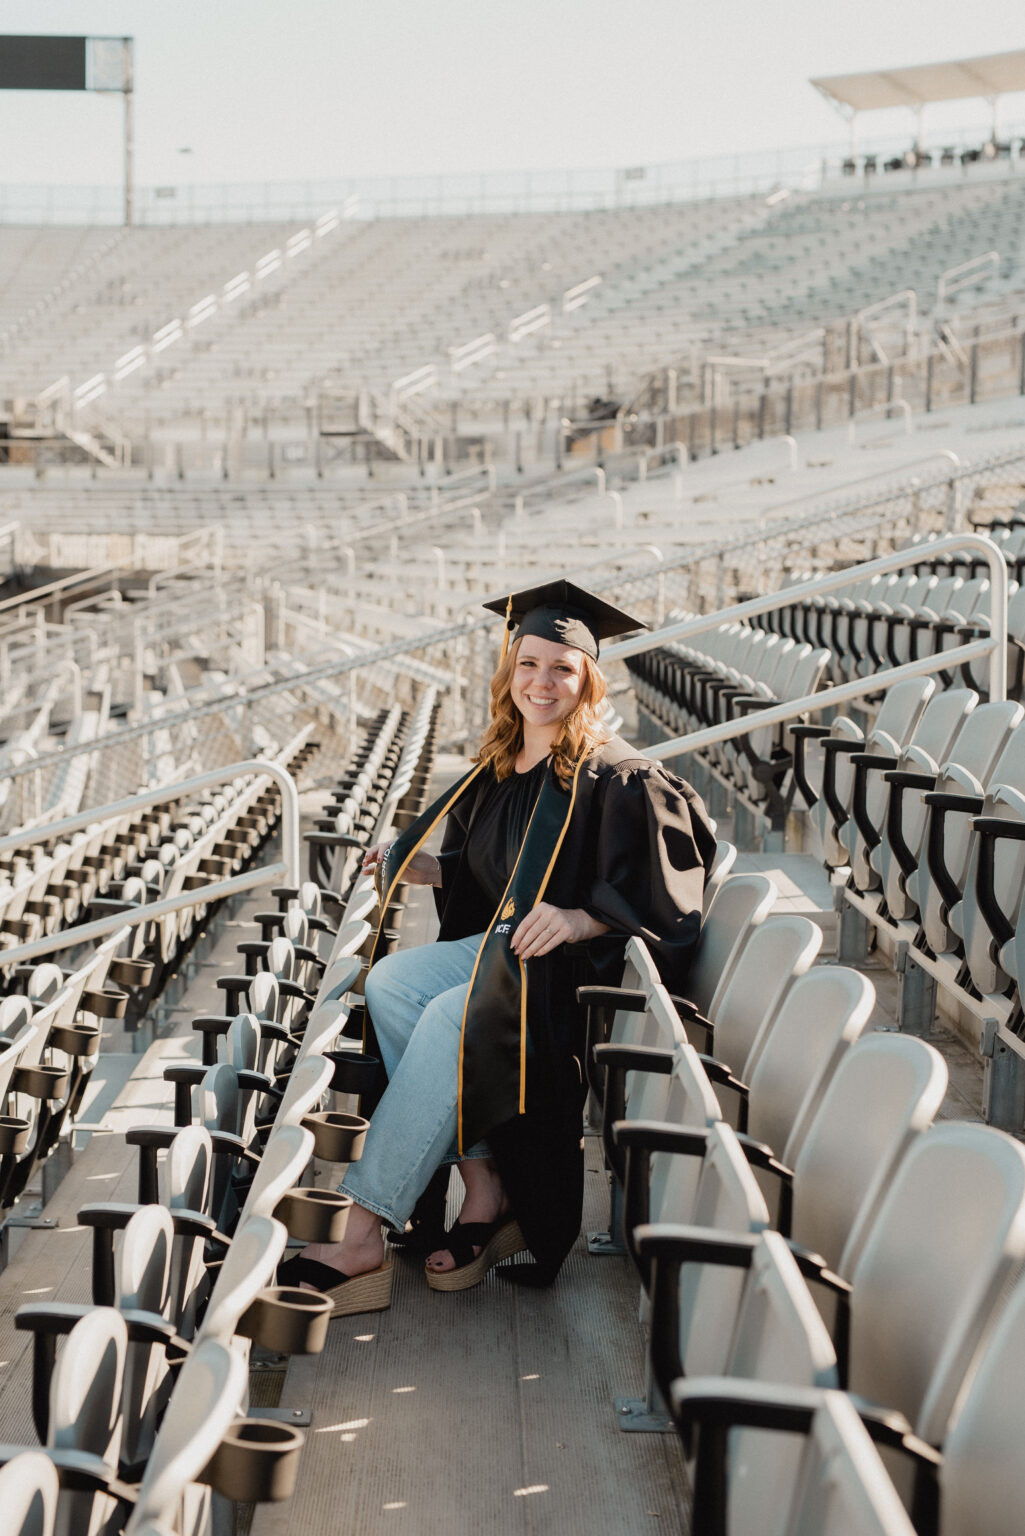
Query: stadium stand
[(226, 671)]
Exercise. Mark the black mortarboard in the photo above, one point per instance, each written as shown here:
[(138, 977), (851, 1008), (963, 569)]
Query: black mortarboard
[(567, 614)]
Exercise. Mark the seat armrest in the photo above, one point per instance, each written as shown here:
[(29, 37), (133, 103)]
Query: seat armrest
[(940, 800), (620, 998), (873, 760), (633, 1058), (902, 778), (997, 826), (660, 1136)]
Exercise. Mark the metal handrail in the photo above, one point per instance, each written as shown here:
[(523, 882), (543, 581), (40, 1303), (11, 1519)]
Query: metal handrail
[(911, 555), (812, 702), (290, 841), (883, 409), (994, 645), (83, 933)]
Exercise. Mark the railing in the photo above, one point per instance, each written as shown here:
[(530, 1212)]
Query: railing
[(287, 868), (993, 646), (965, 275), (766, 172), (755, 557)]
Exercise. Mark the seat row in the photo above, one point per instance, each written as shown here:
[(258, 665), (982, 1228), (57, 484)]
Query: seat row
[(877, 622), (727, 674), (803, 1229), (921, 817), (140, 1407)]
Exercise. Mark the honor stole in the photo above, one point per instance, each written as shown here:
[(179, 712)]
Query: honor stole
[(493, 1039)]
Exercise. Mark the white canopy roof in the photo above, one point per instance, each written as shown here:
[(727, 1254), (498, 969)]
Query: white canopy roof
[(991, 75)]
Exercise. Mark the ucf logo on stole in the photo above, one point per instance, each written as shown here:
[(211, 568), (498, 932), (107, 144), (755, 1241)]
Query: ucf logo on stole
[(505, 926)]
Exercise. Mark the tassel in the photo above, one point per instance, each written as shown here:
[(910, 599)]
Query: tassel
[(506, 631)]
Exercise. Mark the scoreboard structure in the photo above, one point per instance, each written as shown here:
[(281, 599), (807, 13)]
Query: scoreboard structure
[(51, 63)]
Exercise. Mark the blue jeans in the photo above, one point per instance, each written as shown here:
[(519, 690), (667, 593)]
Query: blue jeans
[(416, 999)]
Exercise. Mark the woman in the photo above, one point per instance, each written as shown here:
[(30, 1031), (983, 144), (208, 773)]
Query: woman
[(573, 842)]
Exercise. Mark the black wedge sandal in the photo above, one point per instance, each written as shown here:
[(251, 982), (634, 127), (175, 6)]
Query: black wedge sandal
[(497, 1240), (348, 1294)]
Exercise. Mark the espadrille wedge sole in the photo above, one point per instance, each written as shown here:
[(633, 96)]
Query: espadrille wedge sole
[(354, 1293), (501, 1245)]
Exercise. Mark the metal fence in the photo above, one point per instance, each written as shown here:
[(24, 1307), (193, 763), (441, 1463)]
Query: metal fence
[(298, 670), (536, 191)]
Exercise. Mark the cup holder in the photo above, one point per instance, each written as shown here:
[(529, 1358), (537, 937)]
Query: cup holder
[(257, 1461), (74, 1039), (354, 1072), (41, 1082), (14, 1134), (132, 973), (337, 1137), (314, 1215), (108, 1004), (288, 1320)]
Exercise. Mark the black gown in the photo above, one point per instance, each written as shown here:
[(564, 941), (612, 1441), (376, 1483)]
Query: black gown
[(635, 855)]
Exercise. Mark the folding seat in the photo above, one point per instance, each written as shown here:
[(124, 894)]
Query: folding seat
[(137, 1285), (975, 674), (262, 994), (980, 1481), (286, 967), (839, 1486), (912, 632), (948, 1238), (85, 1419), (740, 905), (853, 622), (746, 1003), (932, 741), (942, 880), (35, 1093), (28, 1493), (186, 1181), (902, 601), (821, 1016), (901, 854), (211, 1387), (759, 757), (830, 804), (692, 1333)]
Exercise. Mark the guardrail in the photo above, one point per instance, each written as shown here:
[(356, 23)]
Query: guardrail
[(993, 646)]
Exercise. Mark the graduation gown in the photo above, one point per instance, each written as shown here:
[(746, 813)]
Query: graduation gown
[(631, 844)]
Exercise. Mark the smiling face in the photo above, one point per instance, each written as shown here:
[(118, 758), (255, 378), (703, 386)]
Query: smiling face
[(546, 682)]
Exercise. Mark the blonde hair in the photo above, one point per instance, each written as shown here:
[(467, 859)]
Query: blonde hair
[(582, 731)]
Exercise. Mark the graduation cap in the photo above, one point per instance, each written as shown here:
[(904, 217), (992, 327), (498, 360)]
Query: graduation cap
[(564, 613)]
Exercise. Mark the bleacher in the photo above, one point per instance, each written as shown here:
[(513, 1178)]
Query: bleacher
[(805, 1201)]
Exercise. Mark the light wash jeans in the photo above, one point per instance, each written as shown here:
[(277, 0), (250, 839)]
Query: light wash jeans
[(416, 999)]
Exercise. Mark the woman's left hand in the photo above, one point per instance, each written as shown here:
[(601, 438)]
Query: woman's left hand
[(546, 927)]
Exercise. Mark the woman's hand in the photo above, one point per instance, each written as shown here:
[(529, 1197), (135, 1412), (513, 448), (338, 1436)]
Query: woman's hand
[(422, 869), (374, 856), (545, 927)]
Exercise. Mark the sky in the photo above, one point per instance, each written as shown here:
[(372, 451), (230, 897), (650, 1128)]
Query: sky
[(287, 90)]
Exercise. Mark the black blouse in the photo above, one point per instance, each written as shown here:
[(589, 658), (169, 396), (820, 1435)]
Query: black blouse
[(499, 824)]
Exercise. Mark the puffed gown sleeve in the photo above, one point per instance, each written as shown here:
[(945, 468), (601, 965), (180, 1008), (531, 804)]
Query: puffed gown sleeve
[(653, 848)]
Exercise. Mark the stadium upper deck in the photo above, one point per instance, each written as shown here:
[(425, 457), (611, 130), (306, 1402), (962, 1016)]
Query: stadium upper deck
[(174, 333)]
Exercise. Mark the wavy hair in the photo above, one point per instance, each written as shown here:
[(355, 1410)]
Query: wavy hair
[(582, 731)]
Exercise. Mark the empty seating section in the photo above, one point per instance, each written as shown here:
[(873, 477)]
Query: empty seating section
[(677, 280), (810, 1229), (139, 1397), (827, 1256)]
